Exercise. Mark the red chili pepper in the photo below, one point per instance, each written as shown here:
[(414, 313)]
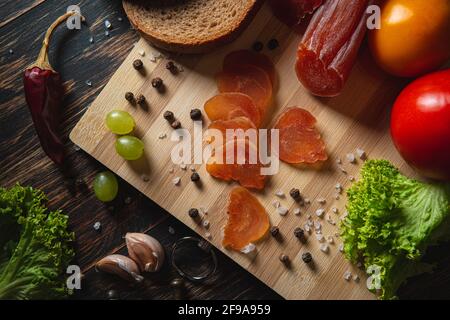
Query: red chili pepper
[(44, 93)]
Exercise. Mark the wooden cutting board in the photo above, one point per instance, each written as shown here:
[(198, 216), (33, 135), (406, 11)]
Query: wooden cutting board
[(357, 118)]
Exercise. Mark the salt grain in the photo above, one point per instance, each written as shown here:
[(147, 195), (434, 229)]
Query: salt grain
[(320, 212), (347, 275), (141, 53), (356, 278), (337, 196), (319, 237), (321, 200), (120, 19), (351, 178), (183, 166), (330, 239), (307, 201), (338, 187), (89, 83), (176, 181), (282, 210), (206, 224), (335, 210), (208, 236), (97, 226), (317, 225), (171, 170), (145, 178), (91, 40), (248, 248), (162, 136), (343, 170), (350, 158), (306, 227), (107, 33), (361, 153), (310, 222), (171, 230), (297, 211), (338, 161), (280, 194), (108, 24), (276, 203), (11, 51), (324, 247), (192, 168), (341, 247)]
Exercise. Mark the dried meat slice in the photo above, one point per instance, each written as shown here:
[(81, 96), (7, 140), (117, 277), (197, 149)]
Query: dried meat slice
[(291, 12), (249, 80), (227, 165), (227, 106), (246, 57), (329, 48), (300, 142), (248, 221)]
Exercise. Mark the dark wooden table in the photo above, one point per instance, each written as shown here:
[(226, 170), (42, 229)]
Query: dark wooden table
[(22, 24)]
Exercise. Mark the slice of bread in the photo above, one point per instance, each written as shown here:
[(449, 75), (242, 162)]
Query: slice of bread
[(190, 26)]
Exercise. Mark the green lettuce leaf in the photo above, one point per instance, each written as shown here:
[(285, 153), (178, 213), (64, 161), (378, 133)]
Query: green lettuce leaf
[(391, 221)]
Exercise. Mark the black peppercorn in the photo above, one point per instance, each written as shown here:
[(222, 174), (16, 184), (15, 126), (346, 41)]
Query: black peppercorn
[(169, 116), (274, 231), (306, 257), (196, 114), (299, 233), (140, 100), (195, 177), (258, 46), (193, 213), (176, 124), (137, 64), (295, 194), (129, 96), (273, 44), (157, 83), (171, 67), (284, 258)]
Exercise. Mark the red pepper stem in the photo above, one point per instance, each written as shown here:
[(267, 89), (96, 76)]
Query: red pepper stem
[(42, 60)]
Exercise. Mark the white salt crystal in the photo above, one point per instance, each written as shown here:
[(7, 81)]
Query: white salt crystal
[(276, 203), (347, 275), (176, 181), (249, 248), (282, 210), (324, 247), (319, 237), (320, 212), (297, 211), (361, 153), (350, 158), (280, 194)]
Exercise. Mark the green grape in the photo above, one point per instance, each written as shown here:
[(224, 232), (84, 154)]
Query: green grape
[(120, 122), (105, 186), (129, 147)]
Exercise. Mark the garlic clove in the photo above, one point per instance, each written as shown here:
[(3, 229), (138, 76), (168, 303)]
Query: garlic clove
[(121, 266), (146, 251)]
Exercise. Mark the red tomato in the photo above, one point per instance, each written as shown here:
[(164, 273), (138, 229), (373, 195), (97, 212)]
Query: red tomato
[(420, 125)]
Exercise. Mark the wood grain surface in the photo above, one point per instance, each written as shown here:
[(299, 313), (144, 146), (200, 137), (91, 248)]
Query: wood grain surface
[(22, 24)]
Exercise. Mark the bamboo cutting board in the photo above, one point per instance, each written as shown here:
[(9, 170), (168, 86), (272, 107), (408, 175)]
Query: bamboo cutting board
[(357, 118)]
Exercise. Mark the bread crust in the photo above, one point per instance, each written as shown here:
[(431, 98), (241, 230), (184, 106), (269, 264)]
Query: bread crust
[(192, 47)]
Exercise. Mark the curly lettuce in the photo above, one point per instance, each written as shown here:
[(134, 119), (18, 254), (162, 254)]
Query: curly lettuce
[(391, 221), (35, 246)]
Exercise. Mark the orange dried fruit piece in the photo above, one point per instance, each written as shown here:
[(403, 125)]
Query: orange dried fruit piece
[(249, 80), (248, 221), (300, 142), (226, 106), (238, 58), (228, 167)]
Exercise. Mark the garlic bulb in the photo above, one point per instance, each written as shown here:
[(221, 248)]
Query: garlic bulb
[(121, 266), (146, 251)]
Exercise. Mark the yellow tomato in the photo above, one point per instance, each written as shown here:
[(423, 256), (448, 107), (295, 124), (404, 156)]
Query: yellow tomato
[(414, 37)]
